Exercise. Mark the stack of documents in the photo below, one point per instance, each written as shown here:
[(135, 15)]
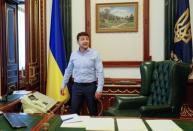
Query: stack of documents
[(74, 121), (22, 92), (125, 124), (79, 124), (163, 125), (90, 124), (71, 118)]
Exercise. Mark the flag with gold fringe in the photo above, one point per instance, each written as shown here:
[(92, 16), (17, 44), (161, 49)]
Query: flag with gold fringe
[(56, 56), (182, 47)]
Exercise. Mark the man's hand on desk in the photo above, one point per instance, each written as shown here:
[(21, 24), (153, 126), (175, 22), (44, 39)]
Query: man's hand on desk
[(98, 95)]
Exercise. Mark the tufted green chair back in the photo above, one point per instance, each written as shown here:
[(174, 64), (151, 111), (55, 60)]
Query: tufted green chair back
[(164, 83), (160, 84)]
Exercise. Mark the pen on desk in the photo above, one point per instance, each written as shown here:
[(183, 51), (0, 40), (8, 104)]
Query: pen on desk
[(68, 119)]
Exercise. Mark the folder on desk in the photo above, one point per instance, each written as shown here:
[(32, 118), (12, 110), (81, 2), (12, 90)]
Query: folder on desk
[(14, 120)]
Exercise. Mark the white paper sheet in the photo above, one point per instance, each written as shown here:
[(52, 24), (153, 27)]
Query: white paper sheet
[(74, 125), (77, 122), (71, 118), (91, 124), (23, 92), (163, 125), (125, 124), (100, 124)]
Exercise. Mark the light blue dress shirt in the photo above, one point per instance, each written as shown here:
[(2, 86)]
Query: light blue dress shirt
[(85, 67)]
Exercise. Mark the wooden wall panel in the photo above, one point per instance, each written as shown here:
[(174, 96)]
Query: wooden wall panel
[(1, 48), (43, 46), (36, 49), (32, 54)]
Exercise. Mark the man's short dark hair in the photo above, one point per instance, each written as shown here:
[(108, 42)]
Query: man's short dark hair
[(82, 34)]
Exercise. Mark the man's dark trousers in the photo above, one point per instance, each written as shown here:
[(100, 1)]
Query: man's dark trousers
[(81, 92)]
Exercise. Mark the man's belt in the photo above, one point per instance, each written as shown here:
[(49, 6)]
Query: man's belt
[(85, 84)]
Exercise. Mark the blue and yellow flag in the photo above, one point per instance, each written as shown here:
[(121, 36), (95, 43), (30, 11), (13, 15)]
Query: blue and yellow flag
[(56, 57), (182, 47)]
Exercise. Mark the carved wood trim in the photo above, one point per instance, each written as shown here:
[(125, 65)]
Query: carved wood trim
[(2, 29), (31, 42), (36, 48), (88, 18), (123, 81), (186, 111), (146, 55), (43, 47), (122, 63)]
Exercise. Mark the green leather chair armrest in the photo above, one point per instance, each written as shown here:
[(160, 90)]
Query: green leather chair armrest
[(158, 111), (129, 102)]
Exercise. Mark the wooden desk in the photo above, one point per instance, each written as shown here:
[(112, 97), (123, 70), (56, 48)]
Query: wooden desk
[(30, 120), (37, 121), (54, 123), (12, 105)]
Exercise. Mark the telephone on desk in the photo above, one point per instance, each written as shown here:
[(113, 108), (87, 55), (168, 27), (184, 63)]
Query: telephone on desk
[(37, 103)]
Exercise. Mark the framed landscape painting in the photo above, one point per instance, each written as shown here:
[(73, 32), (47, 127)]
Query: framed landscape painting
[(117, 17)]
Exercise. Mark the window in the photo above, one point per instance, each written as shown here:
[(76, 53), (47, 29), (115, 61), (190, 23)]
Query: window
[(21, 36)]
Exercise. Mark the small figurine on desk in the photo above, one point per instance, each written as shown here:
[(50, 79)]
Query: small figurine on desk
[(45, 127)]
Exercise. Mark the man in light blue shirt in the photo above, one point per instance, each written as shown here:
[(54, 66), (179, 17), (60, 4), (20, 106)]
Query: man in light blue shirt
[(86, 68)]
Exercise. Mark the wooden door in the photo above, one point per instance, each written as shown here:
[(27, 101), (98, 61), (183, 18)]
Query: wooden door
[(11, 47)]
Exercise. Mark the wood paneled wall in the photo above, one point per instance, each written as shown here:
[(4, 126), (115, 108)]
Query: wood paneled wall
[(36, 46)]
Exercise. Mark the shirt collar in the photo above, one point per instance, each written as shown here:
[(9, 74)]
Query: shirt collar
[(87, 50)]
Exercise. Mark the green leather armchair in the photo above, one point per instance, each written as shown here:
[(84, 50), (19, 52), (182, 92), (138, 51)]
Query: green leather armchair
[(162, 89)]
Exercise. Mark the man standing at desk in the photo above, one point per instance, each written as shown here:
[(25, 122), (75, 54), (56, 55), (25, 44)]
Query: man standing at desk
[(86, 68)]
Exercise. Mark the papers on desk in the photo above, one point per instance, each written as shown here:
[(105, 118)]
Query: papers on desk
[(22, 92), (100, 124), (79, 124), (71, 118), (131, 125), (91, 124), (74, 121), (163, 125)]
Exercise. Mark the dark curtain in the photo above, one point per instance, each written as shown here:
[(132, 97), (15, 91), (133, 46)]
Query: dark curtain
[(66, 22), (170, 12), (67, 29)]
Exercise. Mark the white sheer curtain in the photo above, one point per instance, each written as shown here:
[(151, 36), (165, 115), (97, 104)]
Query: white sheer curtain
[(21, 36)]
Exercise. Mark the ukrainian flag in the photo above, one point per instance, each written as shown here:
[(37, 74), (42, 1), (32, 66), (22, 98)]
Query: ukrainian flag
[(56, 57), (182, 47)]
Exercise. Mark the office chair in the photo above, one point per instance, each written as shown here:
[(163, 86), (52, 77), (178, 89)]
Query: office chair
[(162, 90)]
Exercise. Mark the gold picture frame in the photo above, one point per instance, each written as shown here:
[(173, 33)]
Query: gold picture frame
[(117, 17)]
